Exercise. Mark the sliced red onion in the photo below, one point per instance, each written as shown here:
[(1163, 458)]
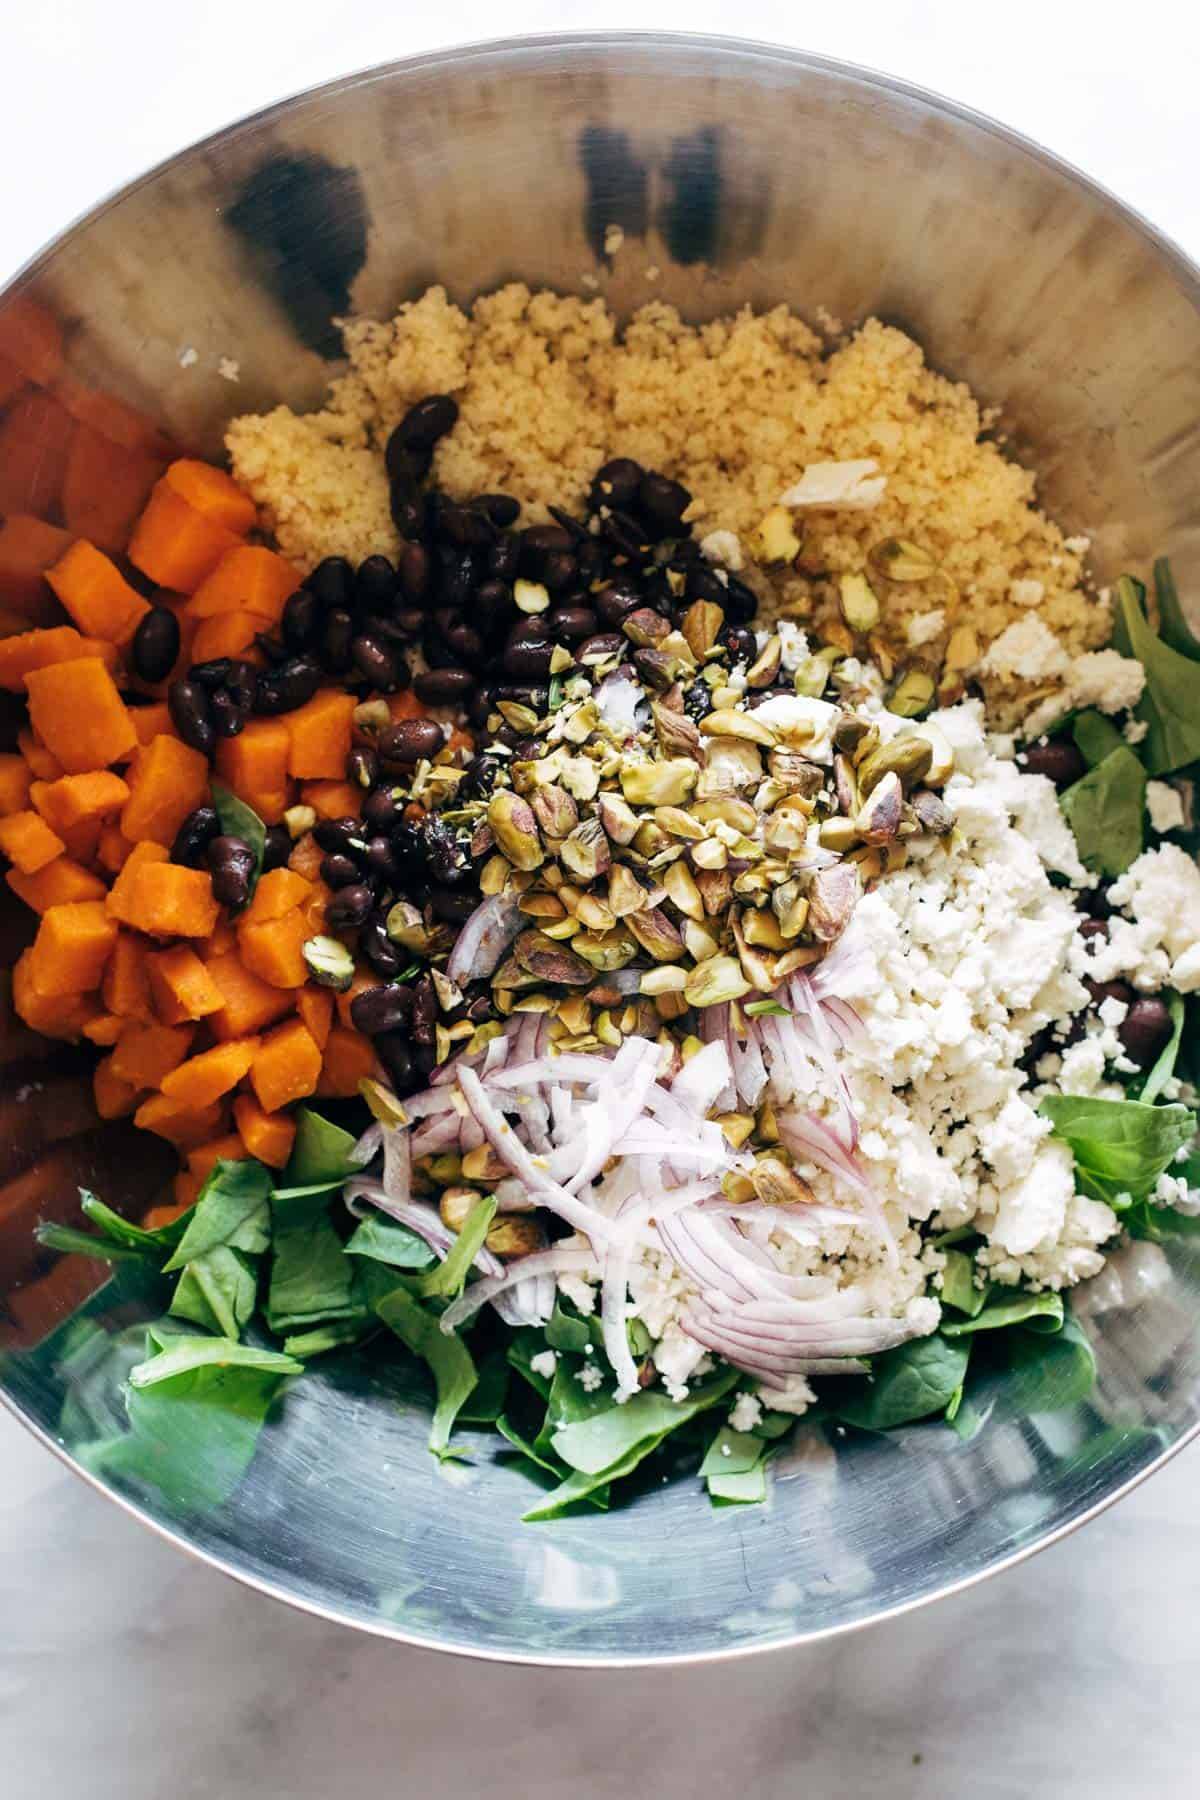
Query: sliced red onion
[(515, 1156), (702, 1078), (368, 1145), (561, 1260), (439, 1133), (613, 1291), (631, 1075), (397, 1163), (587, 1070), (483, 940)]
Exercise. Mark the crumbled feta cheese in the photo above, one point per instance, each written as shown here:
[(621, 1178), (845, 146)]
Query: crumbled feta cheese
[(1078, 546), (854, 485), (1165, 806), (1162, 892), (544, 1364), (1107, 680), (922, 628), (745, 1412), (794, 1397), (591, 1377), (814, 719), (793, 646), (1112, 1011), (1027, 593), (1185, 971), (723, 547), (1027, 651), (1134, 730)]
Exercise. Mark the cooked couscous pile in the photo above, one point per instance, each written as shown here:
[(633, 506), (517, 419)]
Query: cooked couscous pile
[(548, 388)]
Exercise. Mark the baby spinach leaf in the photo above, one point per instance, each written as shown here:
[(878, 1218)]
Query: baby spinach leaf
[(594, 1489), (194, 1431), (511, 1435), (734, 1468), (448, 1358), (312, 1279), (487, 1402), (218, 1291), (72, 1242), (231, 1208), (1106, 812), (1095, 735), (1120, 1144), (1038, 1312), (1159, 1224), (1047, 1372), (1164, 1064), (1169, 704), (385, 1241), (568, 1402), (527, 1343), (911, 1382), (447, 1278), (322, 1338), (185, 1354), (1173, 627), (958, 1284), (241, 821), (566, 1330), (321, 1153), (595, 1444), (119, 1240), (774, 1425)]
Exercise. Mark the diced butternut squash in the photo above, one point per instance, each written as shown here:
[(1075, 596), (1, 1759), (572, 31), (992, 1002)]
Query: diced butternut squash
[(54, 1015), (315, 1008), (105, 487), (168, 900), (28, 547), (286, 1068), (250, 579), (40, 763), (31, 338), (146, 1054), (212, 493), (112, 849), (58, 884), (28, 842), (180, 1125), (29, 650), (307, 857), (278, 891), (15, 777), (273, 949), (152, 721), (181, 986), (229, 634), (35, 439), (77, 712), (247, 1003), (96, 594), (204, 1078), (79, 840), (202, 1160), (120, 899), (320, 736), (176, 545), (255, 765), (267, 1136), (75, 800), (168, 781), (348, 1060), (332, 799), (315, 907), (104, 1030), (222, 941), (125, 989), (73, 943), (115, 1098)]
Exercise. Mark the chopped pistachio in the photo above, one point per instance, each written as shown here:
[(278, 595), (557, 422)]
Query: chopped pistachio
[(482, 1164), (547, 960), (682, 890), (521, 718), (442, 1043), (811, 678), (778, 1185), (406, 925), (515, 827), (514, 1235), (795, 772), (717, 980), (758, 969), (701, 626), (901, 560), (962, 648), (656, 934), (744, 725), (699, 940), (738, 1127), (536, 1003), (625, 892), (839, 833), (670, 1006), (580, 777), (606, 1030), (644, 628), (775, 540), (832, 897), (909, 756), (677, 734), (595, 914), (371, 717), (789, 903), (541, 906), (658, 783), (530, 597), (860, 608), (942, 766), (761, 927), (382, 1104), (738, 813), (879, 820), (585, 852), (668, 978), (765, 667), (711, 854), (913, 693), (678, 823), (932, 813), (449, 994), (456, 1206), (716, 890), (299, 820), (605, 950), (802, 957), (620, 822)]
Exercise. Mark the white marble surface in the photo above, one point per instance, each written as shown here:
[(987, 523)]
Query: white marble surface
[(128, 1672)]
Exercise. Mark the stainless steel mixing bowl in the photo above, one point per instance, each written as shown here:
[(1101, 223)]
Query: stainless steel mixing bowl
[(744, 174)]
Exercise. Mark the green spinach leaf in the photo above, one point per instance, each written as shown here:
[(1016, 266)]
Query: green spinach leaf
[(241, 821), (1119, 1145), (192, 1433), (1106, 812), (566, 1330), (119, 1240), (595, 1444), (958, 1284), (385, 1241), (912, 1382), (233, 1208), (734, 1468), (486, 1403), (185, 1354), (312, 1279), (322, 1338), (527, 1342), (1173, 627), (321, 1153), (1047, 1372), (446, 1280), (1038, 1312), (217, 1291), (1169, 704), (1096, 736), (448, 1358)]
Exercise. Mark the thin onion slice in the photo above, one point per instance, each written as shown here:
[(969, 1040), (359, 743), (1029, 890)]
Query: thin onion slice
[(561, 1260)]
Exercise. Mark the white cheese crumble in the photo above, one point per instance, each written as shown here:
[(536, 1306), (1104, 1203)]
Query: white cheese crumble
[(854, 485), (1158, 946), (591, 1377), (922, 628), (746, 1410), (1107, 680), (1026, 651), (1027, 593), (544, 1364), (1165, 806)]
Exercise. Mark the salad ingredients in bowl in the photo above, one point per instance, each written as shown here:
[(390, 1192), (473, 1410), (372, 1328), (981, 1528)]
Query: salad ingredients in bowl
[(628, 866)]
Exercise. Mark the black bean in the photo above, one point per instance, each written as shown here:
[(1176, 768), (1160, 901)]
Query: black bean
[(212, 674), (336, 640), (625, 534), (616, 600), (480, 778), (466, 644), (590, 558), (427, 421), (697, 702), (739, 602), (469, 528), (501, 509), (492, 606), (504, 558), (187, 704), (447, 859), (407, 508), (442, 687), (597, 649), (405, 462), (332, 581), (453, 908), (155, 648), (409, 740), (379, 1009), (337, 836), (362, 767), (1109, 990), (481, 704), (392, 1049), (380, 811), (374, 662), (424, 1010), (194, 836), (662, 503), (382, 860), (277, 848), (616, 484), (227, 714), (242, 683), (409, 845), (539, 542), (301, 620), (272, 647), (340, 870), (350, 906), (410, 620), (1145, 1029), (378, 948), (458, 575), (572, 624), (1093, 931), (375, 586), (424, 1061), (445, 616), (231, 864), (526, 693), (528, 655), (740, 642), (1060, 758), (703, 583), (291, 685), (576, 531), (558, 571), (416, 572)]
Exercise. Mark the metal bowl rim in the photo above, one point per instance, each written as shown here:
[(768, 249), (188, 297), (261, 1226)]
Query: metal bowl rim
[(1186, 272)]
